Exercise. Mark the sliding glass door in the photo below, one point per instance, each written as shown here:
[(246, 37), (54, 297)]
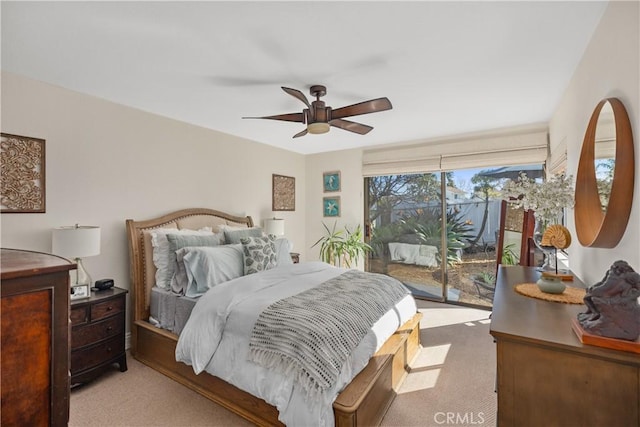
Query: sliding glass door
[(404, 229), (437, 232)]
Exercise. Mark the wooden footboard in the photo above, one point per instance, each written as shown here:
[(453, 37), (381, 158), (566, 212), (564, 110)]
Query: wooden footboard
[(363, 402)]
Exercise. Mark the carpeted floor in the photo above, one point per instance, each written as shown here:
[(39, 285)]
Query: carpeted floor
[(451, 383)]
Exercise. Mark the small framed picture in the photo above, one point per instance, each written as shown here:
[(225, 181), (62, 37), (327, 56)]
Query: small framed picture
[(80, 291), (331, 206), (331, 181)]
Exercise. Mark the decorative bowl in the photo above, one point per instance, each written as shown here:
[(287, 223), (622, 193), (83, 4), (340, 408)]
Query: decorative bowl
[(551, 285)]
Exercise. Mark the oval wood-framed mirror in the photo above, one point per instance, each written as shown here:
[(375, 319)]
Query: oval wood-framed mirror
[(597, 225)]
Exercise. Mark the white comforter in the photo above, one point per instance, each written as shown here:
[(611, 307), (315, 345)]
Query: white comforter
[(216, 339)]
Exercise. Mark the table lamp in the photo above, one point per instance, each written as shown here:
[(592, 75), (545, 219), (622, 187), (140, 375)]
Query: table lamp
[(274, 226), (77, 242)]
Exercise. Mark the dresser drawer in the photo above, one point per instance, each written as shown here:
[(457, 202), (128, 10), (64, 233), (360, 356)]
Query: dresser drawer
[(95, 355), (85, 335), (108, 308), (79, 315)]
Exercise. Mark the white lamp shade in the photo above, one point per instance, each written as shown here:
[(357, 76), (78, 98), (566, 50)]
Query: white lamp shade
[(274, 226), (76, 241)]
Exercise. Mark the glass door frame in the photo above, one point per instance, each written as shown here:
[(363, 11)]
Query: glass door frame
[(444, 287)]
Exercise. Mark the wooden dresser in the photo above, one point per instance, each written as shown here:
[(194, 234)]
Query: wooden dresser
[(34, 332), (97, 334), (545, 375)]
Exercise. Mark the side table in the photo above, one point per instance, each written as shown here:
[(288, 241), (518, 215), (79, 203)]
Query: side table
[(97, 334)]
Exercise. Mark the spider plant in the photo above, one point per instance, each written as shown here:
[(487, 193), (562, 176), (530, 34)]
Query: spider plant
[(338, 247)]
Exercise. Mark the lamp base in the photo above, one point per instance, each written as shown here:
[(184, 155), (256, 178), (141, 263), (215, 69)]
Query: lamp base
[(82, 276)]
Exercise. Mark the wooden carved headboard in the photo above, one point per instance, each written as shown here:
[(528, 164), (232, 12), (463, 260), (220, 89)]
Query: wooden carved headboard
[(142, 269)]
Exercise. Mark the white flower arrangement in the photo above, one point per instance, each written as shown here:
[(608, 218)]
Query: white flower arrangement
[(548, 199)]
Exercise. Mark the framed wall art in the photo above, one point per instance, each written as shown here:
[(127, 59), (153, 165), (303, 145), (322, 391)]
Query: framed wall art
[(331, 206), (22, 162), (331, 181), (283, 193)]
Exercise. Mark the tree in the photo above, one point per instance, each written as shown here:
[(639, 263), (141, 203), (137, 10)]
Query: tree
[(604, 179), (485, 188), (387, 192)]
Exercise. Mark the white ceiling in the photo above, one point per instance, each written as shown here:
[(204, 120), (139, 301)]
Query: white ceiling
[(447, 67)]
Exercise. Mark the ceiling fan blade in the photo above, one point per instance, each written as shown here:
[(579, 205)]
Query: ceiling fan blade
[(291, 117), (351, 126), (366, 107), (297, 94), (301, 133)]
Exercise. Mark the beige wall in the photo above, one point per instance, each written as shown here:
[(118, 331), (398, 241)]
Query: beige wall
[(106, 162), (349, 163), (609, 68)]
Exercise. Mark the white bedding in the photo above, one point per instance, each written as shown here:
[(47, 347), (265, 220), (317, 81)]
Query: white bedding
[(216, 339)]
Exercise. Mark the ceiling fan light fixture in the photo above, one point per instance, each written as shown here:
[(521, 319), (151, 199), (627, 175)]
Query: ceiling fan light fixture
[(318, 128)]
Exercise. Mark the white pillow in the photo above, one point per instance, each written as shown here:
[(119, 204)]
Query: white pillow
[(283, 251), (209, 266), (161, 252)]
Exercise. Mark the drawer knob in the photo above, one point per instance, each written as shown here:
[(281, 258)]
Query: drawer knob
[(108, 349), (110, 308), (110, 328)]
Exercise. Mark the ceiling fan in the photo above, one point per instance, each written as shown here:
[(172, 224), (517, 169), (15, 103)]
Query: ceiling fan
[(318, 117)]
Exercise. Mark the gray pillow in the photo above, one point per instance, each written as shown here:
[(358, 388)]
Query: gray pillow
[(178, 241), (207, 267), (234, 236), (259, 254)]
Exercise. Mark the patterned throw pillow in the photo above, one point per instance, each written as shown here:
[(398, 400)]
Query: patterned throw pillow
[(259, 253)]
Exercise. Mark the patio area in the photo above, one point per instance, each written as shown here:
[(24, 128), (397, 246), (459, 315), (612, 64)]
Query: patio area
[(426, 281)]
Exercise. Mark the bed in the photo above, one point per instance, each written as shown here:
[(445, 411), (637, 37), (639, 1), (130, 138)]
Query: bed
[(363, 401)]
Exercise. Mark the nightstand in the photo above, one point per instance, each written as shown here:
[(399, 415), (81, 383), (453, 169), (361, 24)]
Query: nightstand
[(295, 257), (97, 334)]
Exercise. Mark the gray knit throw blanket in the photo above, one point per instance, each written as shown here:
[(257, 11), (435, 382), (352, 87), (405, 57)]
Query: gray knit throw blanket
[(310, 335)]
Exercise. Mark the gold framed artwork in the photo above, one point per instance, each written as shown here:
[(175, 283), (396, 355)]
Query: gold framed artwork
[(22, 162), (331, 181), (283, 193)]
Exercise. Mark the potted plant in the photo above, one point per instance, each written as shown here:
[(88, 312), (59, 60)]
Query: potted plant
[(344, 246)]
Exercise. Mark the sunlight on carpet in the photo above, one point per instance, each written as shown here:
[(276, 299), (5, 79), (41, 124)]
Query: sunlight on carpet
[(423, 375), (431, 356), (422, 380), (436, 317), (453, 374)]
